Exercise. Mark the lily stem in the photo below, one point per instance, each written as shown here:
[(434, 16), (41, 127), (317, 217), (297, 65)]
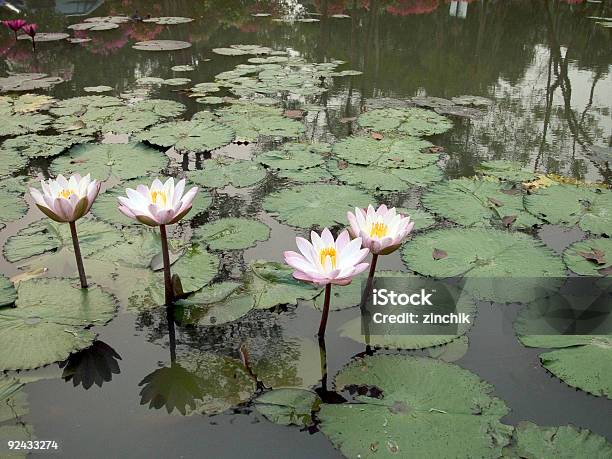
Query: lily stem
[(77, 254), (372, 268), (325, 314), (167, 276)]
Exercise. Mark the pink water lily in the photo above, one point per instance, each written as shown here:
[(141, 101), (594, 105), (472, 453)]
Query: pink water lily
[(14, 25), (30, 29), (324, 261), (66, 200), (381, 230), (160, 204)]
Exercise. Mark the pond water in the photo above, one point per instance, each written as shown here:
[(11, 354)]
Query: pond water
[(544, 67)]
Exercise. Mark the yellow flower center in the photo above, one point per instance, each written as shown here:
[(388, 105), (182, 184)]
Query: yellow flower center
[(155, 195), (379, 230), (66, 193), (328, 252)]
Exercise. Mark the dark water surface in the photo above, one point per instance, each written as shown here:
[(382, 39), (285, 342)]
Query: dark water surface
[(545, 65)]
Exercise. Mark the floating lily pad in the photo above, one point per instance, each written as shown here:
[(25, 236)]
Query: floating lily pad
[(571, 205), (472, 202), (507, 170), (44, 146), (452, 351), (532, 441), (250, 121), (215, 304), (411, 121), (13, 205), (294, 156), (105, 207), (476, 101), (94, 26), (11, 163), (183, 68), (79, 105), (241, 50), (46, 236), (161, 45), (485, 255), (403, 152), (161, 107), (288, 406), (422, 401), (8, 295), (231, 233), (196, 268), (30, 103), (422, 220), (592, 257), (28, 82), (211, 100), (113, 19), (200, 135), (18, 124), (44, 36), (320, 205), (98, 88), (386, 179), (78, 40), (220, 172), (169, 20), (123, 161), (579, 360), (310, 175), (177, 81), (50, 321)]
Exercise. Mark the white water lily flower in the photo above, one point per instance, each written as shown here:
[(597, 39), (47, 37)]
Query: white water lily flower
[(161, 204), (327, 261), (66, 200), (381, 230)]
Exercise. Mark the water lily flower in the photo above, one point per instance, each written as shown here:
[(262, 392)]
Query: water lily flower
[(65, 201), (14, 25), (31, 29), (160, 204), (324, 261)]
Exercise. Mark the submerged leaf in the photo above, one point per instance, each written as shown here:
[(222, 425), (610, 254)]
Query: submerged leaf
[(288, 406)]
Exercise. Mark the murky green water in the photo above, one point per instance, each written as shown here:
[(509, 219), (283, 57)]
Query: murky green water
[(546, 67)]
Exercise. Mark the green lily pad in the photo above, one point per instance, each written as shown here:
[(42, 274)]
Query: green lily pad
[(215, 304), (11, 163), (13, 400), (422, 220), (13, 205), (310, 175), (571, 205), (288, 406), (241, 50), (47, 236), (28, 103), (295, 156), (169, 20), (196, 268), (103, 161), (8, 294), (473, 202), (345, 296), (231, 233), (422, 401), (78, 105), (105, 206), (506, 170), (403, 152), (320, 205), (411, 121), (161, 107), (592, 257), (476, 101), (532, 441), (177, 81), (220, 172), (18, 124), (452, 351), (98, 89), (43, 146), (250, 121), (485, 255), (183, 68), (50, 321), (386, 179), (161, 45), (28, 82), (579, 360), (189, 135)]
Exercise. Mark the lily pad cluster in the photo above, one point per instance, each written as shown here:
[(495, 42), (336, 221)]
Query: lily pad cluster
[(411, 121)]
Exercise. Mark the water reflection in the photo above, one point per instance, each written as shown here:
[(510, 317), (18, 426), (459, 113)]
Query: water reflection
[(95, 365)]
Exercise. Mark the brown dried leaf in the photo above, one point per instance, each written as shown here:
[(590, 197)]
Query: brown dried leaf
[(508, 220), (596, 256), (342, 164), (377, 136), (295, 114), (439, 254)]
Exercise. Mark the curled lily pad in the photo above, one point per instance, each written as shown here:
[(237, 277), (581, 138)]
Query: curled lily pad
[(220, 172), (250, 121), (287, 406), (592, 257), (294, 156), (161, 45), (105, 207), (386, 179), (311, 205), (46, 236), (231, 233), (473, 202), (102, 161), (169, 20), (590, 209), (422, 400), (8, 295), (403, 152), (43, 146), (411, 121), (50, 321), (18, 124), (532, 441), (199, 135), (507, 170)]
